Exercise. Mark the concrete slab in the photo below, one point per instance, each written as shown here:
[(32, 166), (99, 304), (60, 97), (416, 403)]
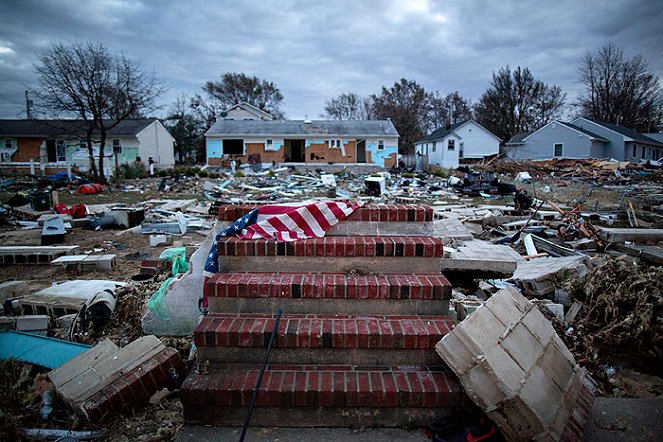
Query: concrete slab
[(625, 419), (482, 259), (639, 236), (451, 228), (13, 289), (66, 297), (537, 277)]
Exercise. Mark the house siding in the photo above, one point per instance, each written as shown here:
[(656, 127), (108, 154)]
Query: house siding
[(477, 142), (541, 145), (155, 141)]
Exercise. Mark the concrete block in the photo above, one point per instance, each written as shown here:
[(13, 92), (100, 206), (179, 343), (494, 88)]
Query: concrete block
[(484, 329), (556, 365), (508, 374), (13, 289), (6, 323), (541, 394), (483, 388), (458, 351), (160, 240), (522, 346), (37, 324), (539, 326)]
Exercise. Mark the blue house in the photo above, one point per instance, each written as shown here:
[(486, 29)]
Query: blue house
[(583, 138)]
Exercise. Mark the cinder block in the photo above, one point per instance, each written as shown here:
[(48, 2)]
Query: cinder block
[(483, 387), (505, 309), (541, 394), (37, 324), (508, 373), (6, 323), (522, 346), (539, 326), (556, 365), (160, 240), (483, 329), (458, 351), (13, 289)]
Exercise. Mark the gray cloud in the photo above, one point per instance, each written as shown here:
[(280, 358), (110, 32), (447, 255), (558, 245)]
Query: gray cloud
[(316, 50)]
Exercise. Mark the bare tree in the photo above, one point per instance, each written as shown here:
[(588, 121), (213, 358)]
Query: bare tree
[(445, 111), (234, 88), (406, 104), (85, 81), (348, 106), (516, 102), (620, 90)]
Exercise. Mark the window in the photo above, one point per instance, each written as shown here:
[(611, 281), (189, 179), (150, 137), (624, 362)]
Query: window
[(461, 150), (233, 147), (451, 144), (559, 150), (61, 150), (635, 151), (434, 145), (380, 144), (9, 143), (117, 146), (269, 144), (82, 144), (335, 144), (643, 152)]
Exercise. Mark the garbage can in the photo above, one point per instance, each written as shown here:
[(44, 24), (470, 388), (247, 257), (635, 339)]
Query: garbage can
[(40, 201)]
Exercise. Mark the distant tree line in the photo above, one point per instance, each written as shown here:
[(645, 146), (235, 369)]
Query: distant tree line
[(86, 81)]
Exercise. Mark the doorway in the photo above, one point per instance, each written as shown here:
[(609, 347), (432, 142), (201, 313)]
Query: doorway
[(294, 151), (361, 151)]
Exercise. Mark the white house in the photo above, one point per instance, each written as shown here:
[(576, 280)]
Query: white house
[(51, 145), (445, 147), (245, 111)]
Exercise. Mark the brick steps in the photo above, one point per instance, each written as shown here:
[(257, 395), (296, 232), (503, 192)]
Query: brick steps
[(328, 285), (321, 339), (371, 212), (329, 293), (372, 254), (334, 395), (338, 247)]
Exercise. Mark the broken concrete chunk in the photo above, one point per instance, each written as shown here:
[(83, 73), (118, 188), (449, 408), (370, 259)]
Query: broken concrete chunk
[(513, 365)]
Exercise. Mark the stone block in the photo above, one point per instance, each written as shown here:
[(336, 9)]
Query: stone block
[(13, 289), (37, 324), (513, 365)]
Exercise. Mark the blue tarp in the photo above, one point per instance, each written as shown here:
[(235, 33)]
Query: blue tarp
[(38, 350)]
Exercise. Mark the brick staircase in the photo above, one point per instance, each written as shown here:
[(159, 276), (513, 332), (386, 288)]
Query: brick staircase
[(355, 343)]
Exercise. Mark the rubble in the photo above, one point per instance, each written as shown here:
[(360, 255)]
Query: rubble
[(603, 288)]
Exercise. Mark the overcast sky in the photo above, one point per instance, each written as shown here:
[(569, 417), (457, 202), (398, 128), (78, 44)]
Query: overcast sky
[(317, 50)]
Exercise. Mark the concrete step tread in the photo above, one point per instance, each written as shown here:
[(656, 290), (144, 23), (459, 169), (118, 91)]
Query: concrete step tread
[(310, 331), (328, 246), (325, 386), (371, 212), (328, 286)]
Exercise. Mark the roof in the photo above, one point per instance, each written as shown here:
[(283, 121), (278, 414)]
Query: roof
[(442, 132), (656, 136), (584, 131), (520, 138), (302, 128), (626, 132), (58, 128), (250, 108)]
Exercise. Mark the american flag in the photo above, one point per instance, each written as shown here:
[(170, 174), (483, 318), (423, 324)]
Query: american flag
[(282, 223)]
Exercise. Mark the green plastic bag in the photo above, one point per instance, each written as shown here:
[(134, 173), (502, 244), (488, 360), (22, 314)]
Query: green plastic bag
[(176, 255)]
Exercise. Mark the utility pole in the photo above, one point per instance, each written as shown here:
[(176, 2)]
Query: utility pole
[(28, 106)]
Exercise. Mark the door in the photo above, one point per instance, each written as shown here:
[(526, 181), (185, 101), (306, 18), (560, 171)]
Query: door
[(361, 151)]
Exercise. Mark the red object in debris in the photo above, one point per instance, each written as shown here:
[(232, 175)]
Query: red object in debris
[(90, 189), (61, 208), (78, 211)]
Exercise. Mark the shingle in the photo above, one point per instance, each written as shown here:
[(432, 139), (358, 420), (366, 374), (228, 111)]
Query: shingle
[(290, 128), (74, 128)]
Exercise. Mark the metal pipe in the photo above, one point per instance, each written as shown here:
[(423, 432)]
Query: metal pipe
[(262, 371)]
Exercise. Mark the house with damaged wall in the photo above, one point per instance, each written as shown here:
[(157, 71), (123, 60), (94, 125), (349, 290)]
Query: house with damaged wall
[(302, 141), (51, 145)]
